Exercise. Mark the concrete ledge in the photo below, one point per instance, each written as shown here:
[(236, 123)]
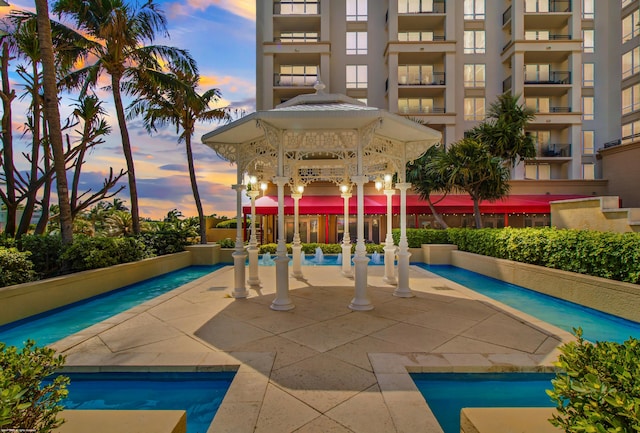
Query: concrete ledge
[(613, 297), (24, 300), (416, 255), (507, 420), (123, 421), (226, 255), (437, 254), (208, 254)]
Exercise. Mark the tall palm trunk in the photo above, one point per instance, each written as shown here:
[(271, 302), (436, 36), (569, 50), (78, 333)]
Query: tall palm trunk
[(194, 188), (126, 149), (7, 143), (52, 115), (476, 212), (436, 214), (41, 227)]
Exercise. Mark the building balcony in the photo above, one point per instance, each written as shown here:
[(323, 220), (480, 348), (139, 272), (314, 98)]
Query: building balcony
[(418, 7), (554, 77), (296, 7), (421, 110), (293, 80), (431, 79), (554, 150), (548, 6)]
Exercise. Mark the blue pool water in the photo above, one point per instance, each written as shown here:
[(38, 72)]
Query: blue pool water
[(596, 326), (200, 394), (54, 325), (448, 393)]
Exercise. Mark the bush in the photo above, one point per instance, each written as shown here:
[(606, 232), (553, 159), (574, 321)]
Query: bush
[(93, 253), (160, 243), (45, 253), (227, 224), (227, 243), (417, 237), (26, 404), (598, 391), (15, 267)]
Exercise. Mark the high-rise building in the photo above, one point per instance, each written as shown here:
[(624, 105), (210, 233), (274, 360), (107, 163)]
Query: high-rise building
[(575, 62)]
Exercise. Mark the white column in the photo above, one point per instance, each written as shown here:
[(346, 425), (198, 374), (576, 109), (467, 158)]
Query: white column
[(360, 302), (282, 302), (253, 250), (296, 248), (346, 237), (403, 290), (239, 256), (389, 247)]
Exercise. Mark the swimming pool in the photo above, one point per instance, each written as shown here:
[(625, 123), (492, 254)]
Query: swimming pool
[(448, 393), (198, 393), (46, 328), (596, 325)]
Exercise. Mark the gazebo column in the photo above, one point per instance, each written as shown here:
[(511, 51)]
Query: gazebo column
[(253, 250), (282, 301), (239, 256), (346, 237), (296, 248), (403, 290), (360, 302), (389, 247)]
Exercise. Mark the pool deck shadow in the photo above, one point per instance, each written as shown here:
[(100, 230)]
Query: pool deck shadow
[(320, 366)]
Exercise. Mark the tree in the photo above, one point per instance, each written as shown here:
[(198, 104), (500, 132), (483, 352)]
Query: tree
[(121, 31), (426, 182), (8, 195), (469, 166), (179, 104), (52, 115)]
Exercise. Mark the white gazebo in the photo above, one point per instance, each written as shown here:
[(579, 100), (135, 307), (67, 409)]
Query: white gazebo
[(321, 137)]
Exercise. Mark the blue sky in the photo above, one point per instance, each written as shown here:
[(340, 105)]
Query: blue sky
[(220, 35)]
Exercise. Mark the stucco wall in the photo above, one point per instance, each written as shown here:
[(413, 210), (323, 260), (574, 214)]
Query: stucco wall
[(597, 213), (620, 168)]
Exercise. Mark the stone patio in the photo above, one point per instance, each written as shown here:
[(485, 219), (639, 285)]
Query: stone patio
[(320, 367)]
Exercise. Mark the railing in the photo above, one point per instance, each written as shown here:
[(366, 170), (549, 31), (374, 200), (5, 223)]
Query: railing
[(555, 77), (298, 38), (560, 110), (560, 37), (433, 79), (507, 83), (296, 7), (294, 80), (555, 150), (551, 6), (506, 16), (423, 110), (438, 7), (623, 140)]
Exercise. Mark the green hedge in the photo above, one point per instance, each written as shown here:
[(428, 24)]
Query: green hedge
[(417, 237), (93, 253), (310, 248), (15, 267)]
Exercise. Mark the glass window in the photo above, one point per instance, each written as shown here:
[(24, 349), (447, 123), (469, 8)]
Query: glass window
[(629, 131), (474, 42), (588, 142), (356, 43), (631, 99), (536, 35), (415, 6), (297, 75), (297, 7), (537, 73), (626, 2), (537, 171), (415, 105), (587, 108), (539, 105), (536, 6), (588, 41), (474, 75), (415, 36), (589, 171), (588, 77), (588, 9), (630, 27), (298, 37), (473, 9), (631, 62), (474, 109), (356, 10), (356, 76)]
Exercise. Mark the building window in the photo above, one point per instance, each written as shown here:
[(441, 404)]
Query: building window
[(534, 73), (588, 41), (588, 142), (415, 36), (474, 109), (587, 108), (298, 37), (588, 74), (297, 7), (474, 75), (415, 75), (537, 171), (631, 99), (356, 10), (297, 75), (588, 9), (589, 171), (473, 9), (415, 6), (631, 62), (630, 27), (415, 105), (629, 131), (626, 2), (356, 43), (536, 6), (543, 142), (539, 105), (356, 76), (474, 42), (536, 35)]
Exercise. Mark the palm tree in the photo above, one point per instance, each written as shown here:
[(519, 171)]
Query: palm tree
[(179, 104), (467, 165), (121, 31), (426, 182)]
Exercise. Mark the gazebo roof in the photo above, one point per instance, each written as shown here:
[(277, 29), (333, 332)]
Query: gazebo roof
[(321, 133)]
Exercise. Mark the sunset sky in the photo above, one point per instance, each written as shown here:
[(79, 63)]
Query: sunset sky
[(220, 35)]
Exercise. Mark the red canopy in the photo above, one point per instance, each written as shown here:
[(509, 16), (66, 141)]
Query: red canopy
[(377, 204)]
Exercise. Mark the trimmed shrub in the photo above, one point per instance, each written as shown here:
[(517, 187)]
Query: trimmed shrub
[(92, 253), (417, 237), (26, 404), (598, 389), (15, 267), (164, 242), (46, 252), (227, 243), (227, 224)]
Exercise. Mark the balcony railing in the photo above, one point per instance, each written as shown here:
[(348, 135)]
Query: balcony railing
[(294, 80), (506, 16), (624, 140), (433, 79), (555, 150), (507, 83), (555, 77), (296, 7), (551, 6), (297, 38), (560, 110), (416, 7), (422, 110)]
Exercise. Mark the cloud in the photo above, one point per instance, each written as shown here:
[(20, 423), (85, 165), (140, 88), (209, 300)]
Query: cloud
[(174, 167), (242, 8)]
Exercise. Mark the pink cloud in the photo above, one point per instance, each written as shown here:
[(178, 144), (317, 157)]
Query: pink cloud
[(243, 8)]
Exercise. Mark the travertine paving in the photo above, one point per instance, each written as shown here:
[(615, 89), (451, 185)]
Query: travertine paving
[(320, 367)]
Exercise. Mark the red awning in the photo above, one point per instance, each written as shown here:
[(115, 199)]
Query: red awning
[(377, 204)]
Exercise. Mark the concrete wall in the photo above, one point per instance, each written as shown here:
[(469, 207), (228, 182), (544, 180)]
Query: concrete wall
[(598, 213), (620, 168), (613, 297)]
